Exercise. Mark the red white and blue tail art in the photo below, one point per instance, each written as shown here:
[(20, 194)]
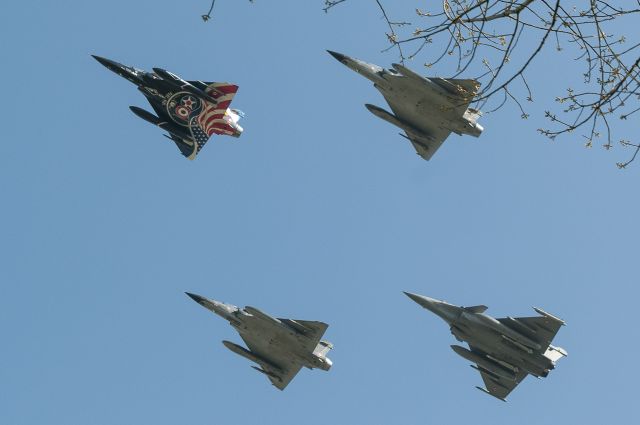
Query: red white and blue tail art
[(190, 111)]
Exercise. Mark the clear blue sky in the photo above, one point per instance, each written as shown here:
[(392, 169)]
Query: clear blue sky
[(318, 212)]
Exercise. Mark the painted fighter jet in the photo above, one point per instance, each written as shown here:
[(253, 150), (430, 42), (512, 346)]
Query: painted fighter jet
[(190, 111), (280, 346), (427, 109), (504, 350)]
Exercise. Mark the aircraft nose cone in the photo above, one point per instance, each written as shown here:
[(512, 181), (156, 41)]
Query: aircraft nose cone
[(196, 298), (446, 311), (104, 61), (426, 302), (339, 56), (216, 307)]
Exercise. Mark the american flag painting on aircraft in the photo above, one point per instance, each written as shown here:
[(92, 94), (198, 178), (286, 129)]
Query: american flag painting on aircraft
[(215, 118), (189, 111), (204, 118)]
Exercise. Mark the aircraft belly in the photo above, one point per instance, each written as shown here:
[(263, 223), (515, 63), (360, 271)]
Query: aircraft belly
[(263, 348), (271, 342), (409, 107), (494, 346)]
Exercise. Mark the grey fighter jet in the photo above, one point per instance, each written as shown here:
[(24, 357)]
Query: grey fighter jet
[(427, 109), (280, 346), (504, 350)]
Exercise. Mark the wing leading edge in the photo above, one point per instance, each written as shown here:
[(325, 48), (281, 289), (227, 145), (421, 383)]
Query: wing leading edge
[(541, 329), (311, 332)]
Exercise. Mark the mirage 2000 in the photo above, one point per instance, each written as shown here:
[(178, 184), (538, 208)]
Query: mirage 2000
[(280, 346), (190, 111), (504, 350), (427, 109)]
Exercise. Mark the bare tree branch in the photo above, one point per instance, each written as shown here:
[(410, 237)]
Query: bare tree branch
[(496, 41), (328, 4)]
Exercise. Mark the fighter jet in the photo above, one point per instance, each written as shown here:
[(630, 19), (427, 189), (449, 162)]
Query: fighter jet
[(504, 350), (427, 109), (190, 111), (280, 346)]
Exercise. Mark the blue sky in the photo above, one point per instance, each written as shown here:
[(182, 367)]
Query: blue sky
[(318, 212)]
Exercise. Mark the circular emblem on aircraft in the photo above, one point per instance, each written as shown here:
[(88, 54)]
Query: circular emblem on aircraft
[(182, 106)]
